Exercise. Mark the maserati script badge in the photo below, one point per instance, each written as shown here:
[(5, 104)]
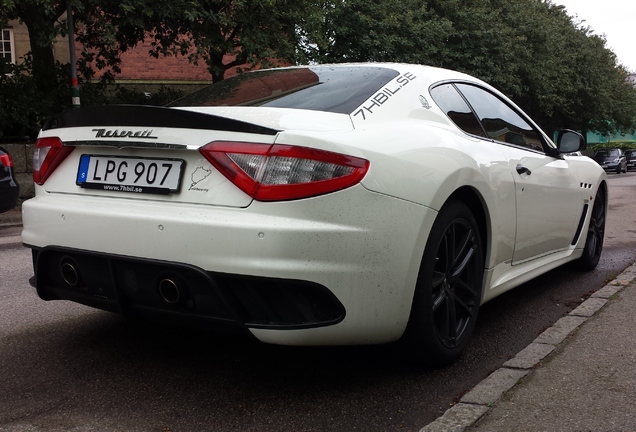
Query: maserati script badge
[(105, 133)]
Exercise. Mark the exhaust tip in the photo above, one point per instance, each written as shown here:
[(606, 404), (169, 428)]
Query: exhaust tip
[(69, 272), (169, 291)]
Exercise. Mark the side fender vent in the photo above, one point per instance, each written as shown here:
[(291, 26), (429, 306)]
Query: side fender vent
[(581, 222)]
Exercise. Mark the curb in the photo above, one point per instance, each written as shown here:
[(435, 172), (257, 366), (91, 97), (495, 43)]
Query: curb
[(481, 398), (10, 224)]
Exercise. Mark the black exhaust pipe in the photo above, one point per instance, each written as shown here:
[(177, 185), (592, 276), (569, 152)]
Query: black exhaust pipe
[(170, 291), (69, 272)]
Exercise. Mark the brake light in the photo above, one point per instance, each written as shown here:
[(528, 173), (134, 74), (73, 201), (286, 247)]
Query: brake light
[(281, 172), (5, 160), (49, 153)]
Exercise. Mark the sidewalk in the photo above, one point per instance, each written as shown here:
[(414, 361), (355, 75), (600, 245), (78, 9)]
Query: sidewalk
[(578, 375)]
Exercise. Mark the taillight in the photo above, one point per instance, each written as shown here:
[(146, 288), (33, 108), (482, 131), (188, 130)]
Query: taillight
[(49, 153), (5, 160), (281, 172)]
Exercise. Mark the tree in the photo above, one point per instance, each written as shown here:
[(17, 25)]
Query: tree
[(251, 32), (32, 90), (42, 21), (378, 30), (221, 33), (555, 68)]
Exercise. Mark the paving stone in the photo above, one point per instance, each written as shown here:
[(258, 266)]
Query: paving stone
[(560, 330), (608, 291), (530, 356), (589, 307), (457, 418), (491, 389)]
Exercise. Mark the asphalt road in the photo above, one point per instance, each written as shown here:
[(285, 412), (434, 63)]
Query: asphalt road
[(66, 367)]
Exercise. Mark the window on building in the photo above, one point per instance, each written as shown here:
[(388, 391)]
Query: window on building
[(7, 52)]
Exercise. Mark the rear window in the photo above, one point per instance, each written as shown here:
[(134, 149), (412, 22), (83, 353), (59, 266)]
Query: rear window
[(318, 88)]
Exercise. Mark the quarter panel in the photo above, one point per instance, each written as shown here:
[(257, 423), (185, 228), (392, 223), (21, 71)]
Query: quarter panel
[(424, 163)]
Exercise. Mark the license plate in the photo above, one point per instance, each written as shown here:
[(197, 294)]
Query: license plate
[(126, 174)]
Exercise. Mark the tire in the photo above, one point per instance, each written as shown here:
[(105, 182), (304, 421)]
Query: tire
[(618, 169), (595, 234), (449, 288)]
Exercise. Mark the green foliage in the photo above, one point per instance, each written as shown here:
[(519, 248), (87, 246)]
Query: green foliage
[(25, 103), (163, 96), (555, 68), (221, 33), (379, 30), (623, 145)]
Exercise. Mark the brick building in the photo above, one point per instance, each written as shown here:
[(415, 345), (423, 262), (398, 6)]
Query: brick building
[(138, 69)]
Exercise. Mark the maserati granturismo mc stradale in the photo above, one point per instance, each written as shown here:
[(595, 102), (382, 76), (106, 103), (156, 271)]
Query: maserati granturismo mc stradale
[(312, 205)]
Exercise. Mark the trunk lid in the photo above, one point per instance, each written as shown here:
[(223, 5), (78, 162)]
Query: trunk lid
[(117, 145), (113, 142)]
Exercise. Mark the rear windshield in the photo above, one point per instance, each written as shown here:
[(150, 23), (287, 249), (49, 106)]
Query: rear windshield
[(319, 88), (606, 153)]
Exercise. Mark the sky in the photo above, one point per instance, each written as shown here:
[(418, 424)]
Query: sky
[(612, 18)]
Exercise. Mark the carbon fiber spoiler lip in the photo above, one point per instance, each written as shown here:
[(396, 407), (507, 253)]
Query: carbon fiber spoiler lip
[(151, 116)]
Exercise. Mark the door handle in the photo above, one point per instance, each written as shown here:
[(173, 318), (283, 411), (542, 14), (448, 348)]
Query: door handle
[(523, 170)]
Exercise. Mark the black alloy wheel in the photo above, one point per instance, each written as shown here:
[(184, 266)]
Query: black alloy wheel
[(449, 287), (595, 234)]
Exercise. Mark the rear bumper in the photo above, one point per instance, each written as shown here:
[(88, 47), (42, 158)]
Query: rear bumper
[(149, 288), (361, 248)]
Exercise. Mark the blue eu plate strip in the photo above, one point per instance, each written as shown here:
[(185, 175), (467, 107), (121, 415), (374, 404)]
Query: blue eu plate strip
[(82, 172)]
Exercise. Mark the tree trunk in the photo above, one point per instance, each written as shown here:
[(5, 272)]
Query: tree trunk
[(43, 60)]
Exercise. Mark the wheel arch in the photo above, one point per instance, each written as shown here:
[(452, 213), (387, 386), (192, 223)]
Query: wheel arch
[(422, 343), (603, 185), (475, 202)]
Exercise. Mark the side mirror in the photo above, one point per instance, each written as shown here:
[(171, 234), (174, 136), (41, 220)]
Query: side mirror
[(570, 141)]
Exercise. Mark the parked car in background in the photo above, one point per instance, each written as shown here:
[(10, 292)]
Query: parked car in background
[(9, 189), (630, 156), (611, 160), (312, 205)]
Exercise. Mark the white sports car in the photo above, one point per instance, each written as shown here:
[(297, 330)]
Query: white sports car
[(312, 205)]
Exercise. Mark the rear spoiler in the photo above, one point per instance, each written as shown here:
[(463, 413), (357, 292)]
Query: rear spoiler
[(151, 116)]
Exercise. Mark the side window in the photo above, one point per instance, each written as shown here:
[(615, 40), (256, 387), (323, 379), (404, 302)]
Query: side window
[(456, 108), (500, 121)]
